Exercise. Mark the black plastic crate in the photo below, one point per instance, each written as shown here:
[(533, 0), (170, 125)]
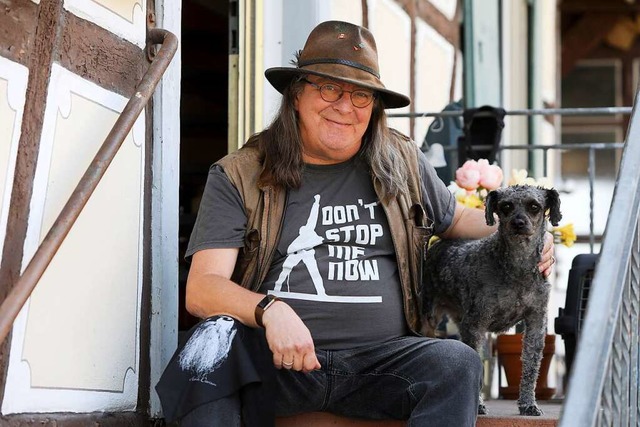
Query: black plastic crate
[(569, 322)]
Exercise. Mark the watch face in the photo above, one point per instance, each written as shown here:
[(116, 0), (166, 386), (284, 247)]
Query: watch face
[(262, 306), (266, 300)]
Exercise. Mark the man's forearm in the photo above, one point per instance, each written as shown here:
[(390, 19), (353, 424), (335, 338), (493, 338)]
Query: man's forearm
[(468, 223)]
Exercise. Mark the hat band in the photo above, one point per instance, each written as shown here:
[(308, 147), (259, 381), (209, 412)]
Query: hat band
[(341, 62)]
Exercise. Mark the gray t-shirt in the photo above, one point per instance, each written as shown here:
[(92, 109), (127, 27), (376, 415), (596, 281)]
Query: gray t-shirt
[(335, 263)]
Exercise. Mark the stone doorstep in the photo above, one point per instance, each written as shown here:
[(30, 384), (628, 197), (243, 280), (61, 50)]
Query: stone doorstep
[(502, 413)]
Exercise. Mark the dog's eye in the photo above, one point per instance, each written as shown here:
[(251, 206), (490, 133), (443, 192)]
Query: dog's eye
[(506, 207), (535, 208)]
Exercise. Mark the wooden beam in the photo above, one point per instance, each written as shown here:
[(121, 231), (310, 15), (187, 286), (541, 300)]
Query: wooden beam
[(450, 30), (456, 49), (365, 13), (100, 56), (585, 36), (39, 52), (17, 30)]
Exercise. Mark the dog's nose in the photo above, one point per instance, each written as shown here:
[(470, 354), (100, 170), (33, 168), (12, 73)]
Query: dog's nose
[(518, 223)]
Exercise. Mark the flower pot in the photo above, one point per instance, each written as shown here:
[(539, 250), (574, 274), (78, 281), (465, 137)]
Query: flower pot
[(509, 349)]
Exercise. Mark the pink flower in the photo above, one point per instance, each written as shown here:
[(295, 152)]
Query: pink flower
[(468, 175), (490, 175)]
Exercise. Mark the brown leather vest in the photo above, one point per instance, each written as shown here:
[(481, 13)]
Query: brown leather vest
[(265, 210)]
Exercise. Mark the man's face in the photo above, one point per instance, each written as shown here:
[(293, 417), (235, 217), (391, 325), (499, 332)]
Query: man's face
[(331, 131)]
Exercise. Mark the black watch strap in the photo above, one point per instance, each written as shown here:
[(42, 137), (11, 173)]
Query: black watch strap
[(262, 306)]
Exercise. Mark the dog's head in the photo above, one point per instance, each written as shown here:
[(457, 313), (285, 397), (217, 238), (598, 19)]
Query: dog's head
[(522, 208)]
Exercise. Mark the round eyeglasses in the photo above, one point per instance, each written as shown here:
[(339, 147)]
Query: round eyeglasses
[(331, 92)]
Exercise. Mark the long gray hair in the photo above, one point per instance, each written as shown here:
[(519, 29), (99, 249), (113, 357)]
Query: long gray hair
[(281, 144)]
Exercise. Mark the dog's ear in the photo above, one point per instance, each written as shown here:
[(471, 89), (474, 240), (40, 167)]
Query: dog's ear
[(490, 206), (553, 205)]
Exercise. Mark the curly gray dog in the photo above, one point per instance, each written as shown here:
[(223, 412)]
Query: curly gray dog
[(490, 284)]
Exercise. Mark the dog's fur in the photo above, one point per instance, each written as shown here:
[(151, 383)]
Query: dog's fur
[(490, 284)]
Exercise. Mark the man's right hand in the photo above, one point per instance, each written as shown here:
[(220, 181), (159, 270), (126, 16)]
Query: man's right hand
[(289, 339)]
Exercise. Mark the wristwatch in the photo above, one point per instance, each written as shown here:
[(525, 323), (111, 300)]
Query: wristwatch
[(262, 306)]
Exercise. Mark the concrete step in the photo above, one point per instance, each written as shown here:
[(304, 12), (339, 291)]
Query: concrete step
[(502, 413)]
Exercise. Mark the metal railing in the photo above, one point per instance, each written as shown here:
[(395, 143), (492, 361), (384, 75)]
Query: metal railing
[(27, 282), (528, 112), (603, 386)]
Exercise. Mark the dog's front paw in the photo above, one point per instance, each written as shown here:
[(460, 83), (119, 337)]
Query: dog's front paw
[(482, 410), (531, 410)]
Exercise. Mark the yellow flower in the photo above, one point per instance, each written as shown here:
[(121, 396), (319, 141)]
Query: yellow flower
[(565, 234), (470, 200)]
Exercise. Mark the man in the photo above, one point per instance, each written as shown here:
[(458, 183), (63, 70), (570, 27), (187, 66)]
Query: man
[(303, 232)]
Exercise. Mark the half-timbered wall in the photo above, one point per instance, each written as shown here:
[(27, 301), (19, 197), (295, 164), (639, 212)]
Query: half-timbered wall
[(67, 68)]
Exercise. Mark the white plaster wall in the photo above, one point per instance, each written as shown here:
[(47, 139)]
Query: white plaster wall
[(447, 7), (126, 18), (75, 343), (273, 56), (434, 70), (484, 60), (458, 88), (547, 66), (547, 55), (515, 80), (349, 11), (391, 27), (13, 86)]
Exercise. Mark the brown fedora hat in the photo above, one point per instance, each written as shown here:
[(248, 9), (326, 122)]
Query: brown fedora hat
[(342, 51)]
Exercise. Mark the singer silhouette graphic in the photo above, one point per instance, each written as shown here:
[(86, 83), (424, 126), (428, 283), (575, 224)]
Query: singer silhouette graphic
[(301, 249)]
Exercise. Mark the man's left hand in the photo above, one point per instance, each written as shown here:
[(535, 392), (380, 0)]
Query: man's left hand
[(547, 260)]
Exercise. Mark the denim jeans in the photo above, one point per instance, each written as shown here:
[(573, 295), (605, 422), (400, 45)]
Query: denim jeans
[(429, 382)]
